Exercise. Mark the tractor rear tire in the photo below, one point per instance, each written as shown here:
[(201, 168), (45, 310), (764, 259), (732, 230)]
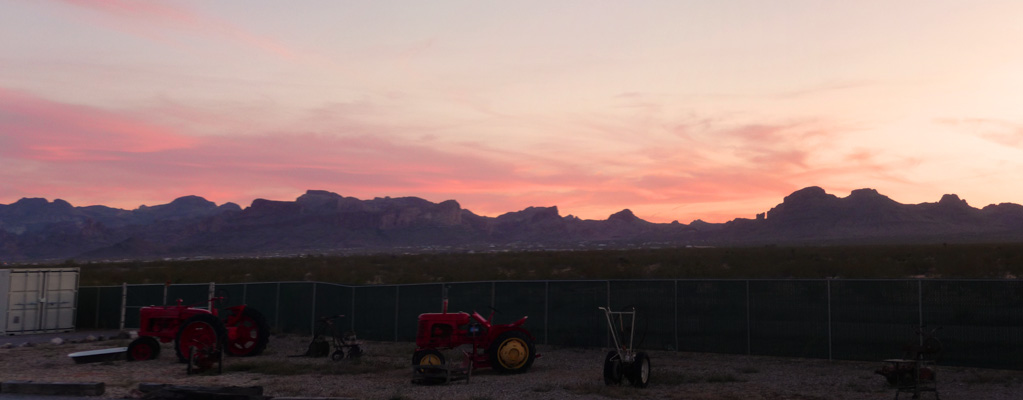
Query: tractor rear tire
[(512, 352), (639, 370), (144, 348), (203, 331), (613, 369), (251, 334)]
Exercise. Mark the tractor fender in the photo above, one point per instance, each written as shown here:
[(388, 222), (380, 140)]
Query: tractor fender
[(519, 322), (237, 309), (236, 312), (499, 330)]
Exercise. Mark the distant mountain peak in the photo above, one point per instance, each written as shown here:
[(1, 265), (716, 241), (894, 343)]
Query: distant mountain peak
[(319, 195), (625, 215), (192, 201), (36, 203), (808, 195), (952, 200), (866, 192)]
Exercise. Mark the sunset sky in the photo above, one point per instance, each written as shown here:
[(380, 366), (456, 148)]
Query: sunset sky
[(677, 110)]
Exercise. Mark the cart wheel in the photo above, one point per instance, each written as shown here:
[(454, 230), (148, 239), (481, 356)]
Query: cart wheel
[(251, 334), (512, 352), (202, 331), (355, 351), (612, 369), (144, 348), (639, 370), (337, 355)]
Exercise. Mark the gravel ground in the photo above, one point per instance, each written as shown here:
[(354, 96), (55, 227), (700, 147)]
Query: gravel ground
[(560, 373)]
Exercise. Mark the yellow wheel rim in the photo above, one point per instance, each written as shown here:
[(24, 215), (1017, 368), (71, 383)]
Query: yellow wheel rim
[(513, 353), (429, 359)]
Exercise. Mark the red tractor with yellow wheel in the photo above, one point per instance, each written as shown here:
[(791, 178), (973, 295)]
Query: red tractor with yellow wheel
[(198, 332), (507, 348)]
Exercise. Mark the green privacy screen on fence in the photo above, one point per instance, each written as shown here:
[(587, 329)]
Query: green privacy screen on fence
[(867, 315), (980, 320), (375, 308), (788, 318), (573, 318), (715, 317)]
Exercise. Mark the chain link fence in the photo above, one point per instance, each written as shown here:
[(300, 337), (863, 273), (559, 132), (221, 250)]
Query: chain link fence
[(980, 322)]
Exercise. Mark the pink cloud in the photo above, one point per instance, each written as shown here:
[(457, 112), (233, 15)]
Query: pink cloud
[(1002, 132), (140, 17), (36, 128), (113, 158)]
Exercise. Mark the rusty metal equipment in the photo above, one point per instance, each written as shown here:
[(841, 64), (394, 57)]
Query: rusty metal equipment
[(624, 360), (203, 356), (914, 373)]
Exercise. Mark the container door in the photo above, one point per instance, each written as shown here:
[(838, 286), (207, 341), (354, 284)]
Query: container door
[(23, 314), (58, 305)]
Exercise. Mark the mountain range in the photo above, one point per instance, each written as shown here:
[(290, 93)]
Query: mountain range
[(321, 222)]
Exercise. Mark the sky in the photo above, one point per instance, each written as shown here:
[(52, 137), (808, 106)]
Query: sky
[(677, 110)]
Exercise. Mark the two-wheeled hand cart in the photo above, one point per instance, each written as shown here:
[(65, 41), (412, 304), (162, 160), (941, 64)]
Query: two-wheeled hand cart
[(344, 344), (624, 360)]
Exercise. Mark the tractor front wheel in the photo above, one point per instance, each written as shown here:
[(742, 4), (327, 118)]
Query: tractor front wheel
[(251, 333), (202, 331), (427, 357), (144, 348), (426, 375), (512, 352)]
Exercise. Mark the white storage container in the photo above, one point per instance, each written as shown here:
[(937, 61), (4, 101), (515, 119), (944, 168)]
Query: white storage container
[(37, 300)]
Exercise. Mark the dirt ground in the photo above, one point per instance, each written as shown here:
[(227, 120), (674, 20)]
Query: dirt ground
[(384, 372)]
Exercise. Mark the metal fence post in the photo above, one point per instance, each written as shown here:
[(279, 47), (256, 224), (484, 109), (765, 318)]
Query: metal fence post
[(312, 317), (546, 311), (676, 315), (351, 321), (99, 301), (829, 321), (920, 302), (397, 308), (749, 328), (277, 305), (124, 303), (607, 332), (211, 294)]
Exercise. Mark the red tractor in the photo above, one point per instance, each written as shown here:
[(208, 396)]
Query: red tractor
[(199, 331), (507, 348)]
